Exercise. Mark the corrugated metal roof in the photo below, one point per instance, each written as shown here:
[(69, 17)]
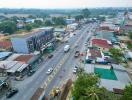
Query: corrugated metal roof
[(15, 67), (23, 58), (22, 67), (101, 43), (5, 44), (12, 66), (7, 64), (4, 54)]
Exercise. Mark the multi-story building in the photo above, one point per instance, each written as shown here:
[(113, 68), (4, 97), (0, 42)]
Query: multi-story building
[(70, 21), (34, 41)]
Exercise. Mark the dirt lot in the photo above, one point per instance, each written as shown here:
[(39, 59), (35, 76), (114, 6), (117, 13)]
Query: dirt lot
[(130, 64)]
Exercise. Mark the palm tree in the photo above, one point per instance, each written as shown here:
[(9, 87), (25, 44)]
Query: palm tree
[(93, 93)]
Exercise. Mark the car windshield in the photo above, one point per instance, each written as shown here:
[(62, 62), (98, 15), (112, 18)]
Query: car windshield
[(50, 69)]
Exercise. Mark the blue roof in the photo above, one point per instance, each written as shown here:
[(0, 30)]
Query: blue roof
[(4, 54)]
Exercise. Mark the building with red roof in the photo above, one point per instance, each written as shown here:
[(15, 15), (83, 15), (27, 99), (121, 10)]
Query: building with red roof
[(23, 58), (95, 56), (109, 27), (101, 44), (4, 45)]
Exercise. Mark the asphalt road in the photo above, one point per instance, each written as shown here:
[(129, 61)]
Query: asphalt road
[(28, 86), (65, 72)]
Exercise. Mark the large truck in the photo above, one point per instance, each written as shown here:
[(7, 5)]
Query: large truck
[(66, 48)]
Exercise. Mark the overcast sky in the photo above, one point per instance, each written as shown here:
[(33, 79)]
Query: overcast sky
[(64, 3)]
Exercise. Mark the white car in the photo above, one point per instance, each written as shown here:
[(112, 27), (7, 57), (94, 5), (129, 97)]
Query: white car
[(86, 44), (50, 70), (74, 69)]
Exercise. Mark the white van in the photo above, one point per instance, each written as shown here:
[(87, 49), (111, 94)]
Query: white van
[(66, 48)]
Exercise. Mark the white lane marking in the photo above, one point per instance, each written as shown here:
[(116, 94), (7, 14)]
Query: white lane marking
[(59, 65)]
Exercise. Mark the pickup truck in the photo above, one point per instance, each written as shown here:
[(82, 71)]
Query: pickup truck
[(77, 53)]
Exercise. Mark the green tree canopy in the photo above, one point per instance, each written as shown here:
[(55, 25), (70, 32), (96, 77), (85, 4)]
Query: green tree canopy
[(116, 54), (86, 13), (129, 45), (8, 27), (83, 82), (31, 16), (78, 17), (38, 22), (85, 88), (28, 27), (69, 16), (127, 93), (130, 35), (101, 18), (58, 20), (48, 23), (14, 19)]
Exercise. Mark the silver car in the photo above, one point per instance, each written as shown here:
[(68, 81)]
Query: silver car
[(50, 70)]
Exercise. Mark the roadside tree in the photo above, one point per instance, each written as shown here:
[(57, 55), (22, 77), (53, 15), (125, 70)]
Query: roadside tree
[(127, 93), (8, 27), (116, 54), (58, 20), (130, 35), (48, 23), (28, 27)]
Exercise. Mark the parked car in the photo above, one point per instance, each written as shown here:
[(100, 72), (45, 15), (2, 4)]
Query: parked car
[(31, 72), (50, 56), (74, 34), (77, 53), (86, 44), (50, 70), (11, 93), (75, 69), (19, 78)]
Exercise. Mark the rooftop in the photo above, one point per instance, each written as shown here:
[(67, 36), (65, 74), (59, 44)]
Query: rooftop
[(12, 66), (29, 34), (106, 35), (23, 58), (59, 30), (5, 44), (4, 54), (93, 53), (101, 43), (34, 32)]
